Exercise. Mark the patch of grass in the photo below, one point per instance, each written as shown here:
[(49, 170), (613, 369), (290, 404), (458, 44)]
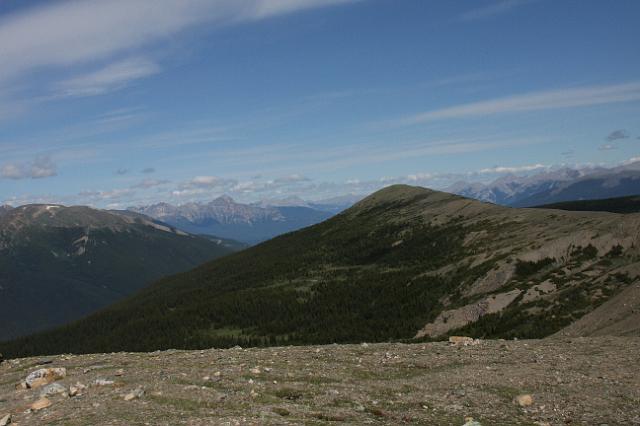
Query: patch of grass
[(184, 404), (289, 394)]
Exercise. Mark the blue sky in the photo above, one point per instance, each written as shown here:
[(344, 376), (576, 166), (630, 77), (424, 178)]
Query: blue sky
[(121, 102)]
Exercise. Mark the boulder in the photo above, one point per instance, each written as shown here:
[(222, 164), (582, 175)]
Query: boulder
[(53, 389), (461, 340), (44, 376), (135, 394)]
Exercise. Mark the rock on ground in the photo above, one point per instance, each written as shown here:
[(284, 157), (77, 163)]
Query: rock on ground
[(576, 381)]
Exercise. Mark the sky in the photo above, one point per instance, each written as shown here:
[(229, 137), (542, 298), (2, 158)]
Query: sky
[(115, 103)]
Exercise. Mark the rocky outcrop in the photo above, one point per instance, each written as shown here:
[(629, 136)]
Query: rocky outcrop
[(456, 318)]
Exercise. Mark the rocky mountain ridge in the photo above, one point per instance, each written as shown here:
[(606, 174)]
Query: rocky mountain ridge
[(224, 217), (552, 186), (405, 263)]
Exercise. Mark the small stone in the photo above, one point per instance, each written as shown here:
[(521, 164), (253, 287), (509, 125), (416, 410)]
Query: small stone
[(524, 400), (468, 421), (6, 420), (119, 373), (255, 370), (41, 404), (217, 374), (365, 345), (52, 389), (136, 394), (103, 382), (463, 340)]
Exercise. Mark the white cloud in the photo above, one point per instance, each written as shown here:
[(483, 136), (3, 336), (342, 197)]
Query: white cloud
[(607, 147), (536, 101), (113, 194), (150, 183), (112, 77), (207, 182), (515, 169), (75, 32), (494, 9), (294, 178), (41, 167)]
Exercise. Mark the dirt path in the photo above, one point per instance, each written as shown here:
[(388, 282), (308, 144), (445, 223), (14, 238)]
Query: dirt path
[(577, 381)]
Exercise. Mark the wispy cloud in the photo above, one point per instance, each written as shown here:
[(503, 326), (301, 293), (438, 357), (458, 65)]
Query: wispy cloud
[(150, 183), (513, 169), (607, 147), (536, 101), (494, 9), (112, 77), (617, 135), (75, 32), (40, 168)]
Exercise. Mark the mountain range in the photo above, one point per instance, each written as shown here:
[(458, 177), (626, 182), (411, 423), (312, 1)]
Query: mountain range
[(554, 186), (249, 223), (58, 264), (405, 263)]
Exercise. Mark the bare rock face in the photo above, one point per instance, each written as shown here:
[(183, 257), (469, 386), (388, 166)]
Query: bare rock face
[(456, 318), (44, 376)]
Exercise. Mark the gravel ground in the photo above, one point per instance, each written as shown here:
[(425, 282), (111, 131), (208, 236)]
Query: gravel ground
[(577, 381)]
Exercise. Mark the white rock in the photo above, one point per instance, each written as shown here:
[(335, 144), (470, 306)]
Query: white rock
[(52, 389), (45, 376), (103, 382), (135, 394), (5, 420)]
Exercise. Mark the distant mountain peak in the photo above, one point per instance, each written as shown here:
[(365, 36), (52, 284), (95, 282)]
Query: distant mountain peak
[(224, 199)]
